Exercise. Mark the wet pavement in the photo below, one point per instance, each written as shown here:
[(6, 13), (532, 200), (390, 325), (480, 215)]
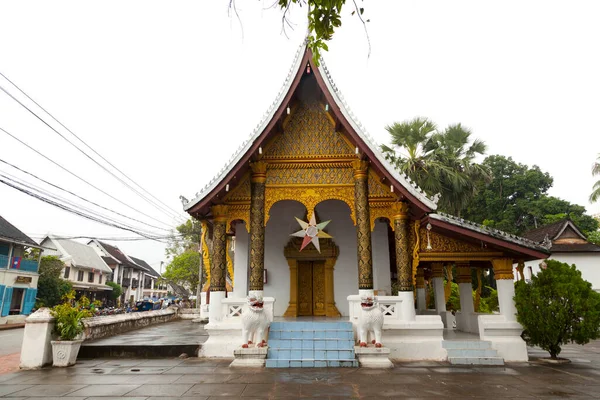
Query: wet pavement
[(213, 379)]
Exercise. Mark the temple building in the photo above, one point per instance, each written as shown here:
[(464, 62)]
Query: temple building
[(311, 160)]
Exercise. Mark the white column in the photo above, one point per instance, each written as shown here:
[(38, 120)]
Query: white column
[(440, 295), (240, 261), (466, 298), (215, 307), (382, 280), (506, 292)]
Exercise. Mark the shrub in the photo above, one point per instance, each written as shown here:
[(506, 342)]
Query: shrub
[(69, 324), (557, 307)]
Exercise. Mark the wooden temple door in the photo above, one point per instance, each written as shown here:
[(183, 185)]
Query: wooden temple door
[(311, 288)]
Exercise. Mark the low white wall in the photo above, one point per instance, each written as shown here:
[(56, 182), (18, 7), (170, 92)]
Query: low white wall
[(190, 313), (110, 325)]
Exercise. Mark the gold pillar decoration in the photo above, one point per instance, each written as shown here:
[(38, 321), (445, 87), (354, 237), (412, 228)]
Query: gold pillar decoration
[(229, 261), (403, 267), (449, 278), (218, 271), (415, 257), (478, 291), (292, 310), (520, 268), (363, 225), (257, 226), (437, 270), (503, 268), (420, 281), (205, 251), (464, 272)]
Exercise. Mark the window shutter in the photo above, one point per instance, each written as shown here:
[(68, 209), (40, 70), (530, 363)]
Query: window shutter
[(7, 300), (2, 287), (29, 301)]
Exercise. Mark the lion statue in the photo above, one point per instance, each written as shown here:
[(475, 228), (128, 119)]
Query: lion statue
[(254, 322), (371, 320)]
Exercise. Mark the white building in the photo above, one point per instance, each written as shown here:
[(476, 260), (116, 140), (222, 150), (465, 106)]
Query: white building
[(568, 245), (84, 268)]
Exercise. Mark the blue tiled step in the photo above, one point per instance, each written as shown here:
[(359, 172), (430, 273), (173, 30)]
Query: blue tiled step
[(311, 363), (311, 344)]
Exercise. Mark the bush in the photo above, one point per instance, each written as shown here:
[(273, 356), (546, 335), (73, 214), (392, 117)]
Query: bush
[(69, 324), (116, 290), (557, 307), (51, 287)]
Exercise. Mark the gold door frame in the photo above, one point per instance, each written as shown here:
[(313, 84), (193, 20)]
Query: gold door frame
[(329, 253)]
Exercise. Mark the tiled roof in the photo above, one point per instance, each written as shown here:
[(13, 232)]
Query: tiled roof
[(552, 230), (147, 266), (9, 231), (403, 179), (122, 257), (82, 255), (488, 231)]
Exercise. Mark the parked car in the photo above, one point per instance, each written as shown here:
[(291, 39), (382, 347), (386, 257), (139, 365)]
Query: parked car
[(145, 305)]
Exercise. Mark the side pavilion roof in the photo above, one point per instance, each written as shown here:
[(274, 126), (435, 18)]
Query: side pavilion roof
[(239, 163)]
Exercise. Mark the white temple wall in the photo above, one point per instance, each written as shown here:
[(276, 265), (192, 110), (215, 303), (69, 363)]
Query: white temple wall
[(382, 280), (587, 263), (345, 274)]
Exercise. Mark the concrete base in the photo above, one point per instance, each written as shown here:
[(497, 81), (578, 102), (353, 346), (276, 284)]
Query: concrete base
[(505, 337), (448, 319), (36, 350), (250, 357), (223, 340), (373, 357), (416, 340)]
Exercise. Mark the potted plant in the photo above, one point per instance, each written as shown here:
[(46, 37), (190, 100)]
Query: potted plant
[(68, 326)]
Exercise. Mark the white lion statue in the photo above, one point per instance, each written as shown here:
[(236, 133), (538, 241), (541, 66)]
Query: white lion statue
[(371, 320), (254, 322)]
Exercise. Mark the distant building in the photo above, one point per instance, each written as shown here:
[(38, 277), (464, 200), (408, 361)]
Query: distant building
[(138, 279), (84, 268), (18, 274), (568, 245)]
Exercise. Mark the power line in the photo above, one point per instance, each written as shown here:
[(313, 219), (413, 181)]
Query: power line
[(82, 198), (80, 178), (73, 211), (161, 209), (76, 206)]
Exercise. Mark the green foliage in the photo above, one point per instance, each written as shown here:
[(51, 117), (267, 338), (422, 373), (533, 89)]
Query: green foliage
[(51, 287), (117, 290), (595, 196), (32, 253), (184, 269), (185, 239), (594, 237), (488, 304), (69, 324), (516, 199), (557, 307), (438, 161), (453, 303)]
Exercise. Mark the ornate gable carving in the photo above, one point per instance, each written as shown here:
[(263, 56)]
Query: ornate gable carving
[(308, 133)]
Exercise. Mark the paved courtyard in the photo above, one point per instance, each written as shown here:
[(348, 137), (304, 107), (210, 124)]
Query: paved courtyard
[(210, 379)]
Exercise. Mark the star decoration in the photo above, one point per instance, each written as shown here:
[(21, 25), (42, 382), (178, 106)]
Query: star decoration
[(311, 232)]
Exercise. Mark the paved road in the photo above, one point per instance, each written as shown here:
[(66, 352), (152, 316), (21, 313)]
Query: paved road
[(10, 341), (209, 379)]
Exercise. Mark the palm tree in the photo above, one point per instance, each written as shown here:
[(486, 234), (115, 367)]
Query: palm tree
[(595, 196), (439, 162)]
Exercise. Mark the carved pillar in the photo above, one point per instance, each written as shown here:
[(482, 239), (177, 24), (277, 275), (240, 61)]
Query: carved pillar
[(503, 272), (363, 228), (218, 270), (257, 226), (403, 266), (292, 310), (420, 284), (330, 308)]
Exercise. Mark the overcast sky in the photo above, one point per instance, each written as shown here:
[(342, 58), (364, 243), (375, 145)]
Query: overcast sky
[(167, 91)]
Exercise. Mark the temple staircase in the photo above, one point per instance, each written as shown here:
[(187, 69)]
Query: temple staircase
[(471, 352), (311, 344)]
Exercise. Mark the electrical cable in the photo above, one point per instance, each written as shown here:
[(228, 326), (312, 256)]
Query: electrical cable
[(82, 198), (80, 178), (85, 154)]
